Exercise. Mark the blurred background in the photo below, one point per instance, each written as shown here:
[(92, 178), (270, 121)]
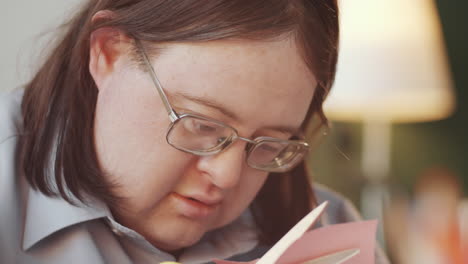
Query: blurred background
[(415, 146), (397, 146)]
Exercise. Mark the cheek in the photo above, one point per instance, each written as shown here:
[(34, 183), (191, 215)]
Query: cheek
[(130, 130), (241, 197)]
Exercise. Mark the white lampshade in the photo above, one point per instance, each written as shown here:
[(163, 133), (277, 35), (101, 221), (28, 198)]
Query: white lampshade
[(392, 64)]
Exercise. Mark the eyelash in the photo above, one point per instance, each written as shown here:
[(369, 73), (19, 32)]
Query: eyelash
[(279, 135)]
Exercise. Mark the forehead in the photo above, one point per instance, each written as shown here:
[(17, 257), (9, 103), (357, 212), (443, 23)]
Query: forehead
[(266, 82)]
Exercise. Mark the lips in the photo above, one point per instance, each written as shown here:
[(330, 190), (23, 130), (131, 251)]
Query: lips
[(194, 206), (204, 200)]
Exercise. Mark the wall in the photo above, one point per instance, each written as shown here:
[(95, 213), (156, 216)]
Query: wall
[(22, 23)]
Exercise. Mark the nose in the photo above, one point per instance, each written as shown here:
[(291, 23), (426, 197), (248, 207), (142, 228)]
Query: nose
[(225, 168)]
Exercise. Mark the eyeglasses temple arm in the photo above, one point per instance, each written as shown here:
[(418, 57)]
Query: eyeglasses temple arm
[(170, 110)]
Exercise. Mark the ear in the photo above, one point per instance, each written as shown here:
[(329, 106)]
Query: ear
[(109, 47)]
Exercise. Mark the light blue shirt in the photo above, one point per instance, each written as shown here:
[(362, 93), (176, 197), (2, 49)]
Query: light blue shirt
[(35, 228)]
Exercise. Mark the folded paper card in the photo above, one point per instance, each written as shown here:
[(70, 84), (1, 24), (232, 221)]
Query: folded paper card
[(306, 246), (328, 239)]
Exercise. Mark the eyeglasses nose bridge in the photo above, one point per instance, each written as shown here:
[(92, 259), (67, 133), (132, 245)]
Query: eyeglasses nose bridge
[(249, 141)]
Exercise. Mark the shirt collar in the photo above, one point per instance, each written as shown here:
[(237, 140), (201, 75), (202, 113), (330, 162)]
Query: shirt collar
[(46, 215)]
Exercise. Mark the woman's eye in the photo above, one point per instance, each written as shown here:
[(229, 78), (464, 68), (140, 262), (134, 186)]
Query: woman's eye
[(269, 148), (205, 128), (201, 127)]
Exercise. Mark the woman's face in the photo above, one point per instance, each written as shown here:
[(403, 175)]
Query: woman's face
[(173, 198)]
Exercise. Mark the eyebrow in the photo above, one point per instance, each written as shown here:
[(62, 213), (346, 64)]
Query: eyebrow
[(217, 106), (284, 129), (208, 103)]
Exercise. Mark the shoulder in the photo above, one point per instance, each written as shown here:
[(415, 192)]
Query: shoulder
[(339, 209), (10, 114), (11, 204), (10, 123)]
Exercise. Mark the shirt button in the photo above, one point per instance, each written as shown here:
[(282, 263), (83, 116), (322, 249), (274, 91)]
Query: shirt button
[(116, 231), (113, 228)]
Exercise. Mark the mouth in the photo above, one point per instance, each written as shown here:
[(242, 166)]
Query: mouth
[(194, 207)]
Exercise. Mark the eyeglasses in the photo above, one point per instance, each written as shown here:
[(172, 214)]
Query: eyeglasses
[(204, 136)]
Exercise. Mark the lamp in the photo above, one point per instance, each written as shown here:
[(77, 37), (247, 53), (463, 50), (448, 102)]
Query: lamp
[(392, 63), (392, 67)]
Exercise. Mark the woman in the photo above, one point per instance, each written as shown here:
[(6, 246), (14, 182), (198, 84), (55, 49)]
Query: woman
[(163, 130)]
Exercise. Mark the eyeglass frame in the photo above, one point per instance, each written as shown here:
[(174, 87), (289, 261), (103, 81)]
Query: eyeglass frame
[(174, 117)]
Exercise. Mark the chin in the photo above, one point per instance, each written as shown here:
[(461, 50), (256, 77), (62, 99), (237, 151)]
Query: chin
[(175, 235), (176, 241)]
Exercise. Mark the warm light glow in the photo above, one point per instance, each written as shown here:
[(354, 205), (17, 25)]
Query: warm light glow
[(392, 65)]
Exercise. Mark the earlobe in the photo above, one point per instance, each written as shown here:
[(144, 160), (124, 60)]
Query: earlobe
[(107, 47)]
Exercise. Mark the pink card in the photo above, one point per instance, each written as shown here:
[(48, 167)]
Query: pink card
[(330, 239)]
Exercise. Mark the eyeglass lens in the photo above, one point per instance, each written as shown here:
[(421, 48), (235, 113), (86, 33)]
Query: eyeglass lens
[(196, 134), (204, 137)]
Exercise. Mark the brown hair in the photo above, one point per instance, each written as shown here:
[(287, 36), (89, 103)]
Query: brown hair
[(57, 147)]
